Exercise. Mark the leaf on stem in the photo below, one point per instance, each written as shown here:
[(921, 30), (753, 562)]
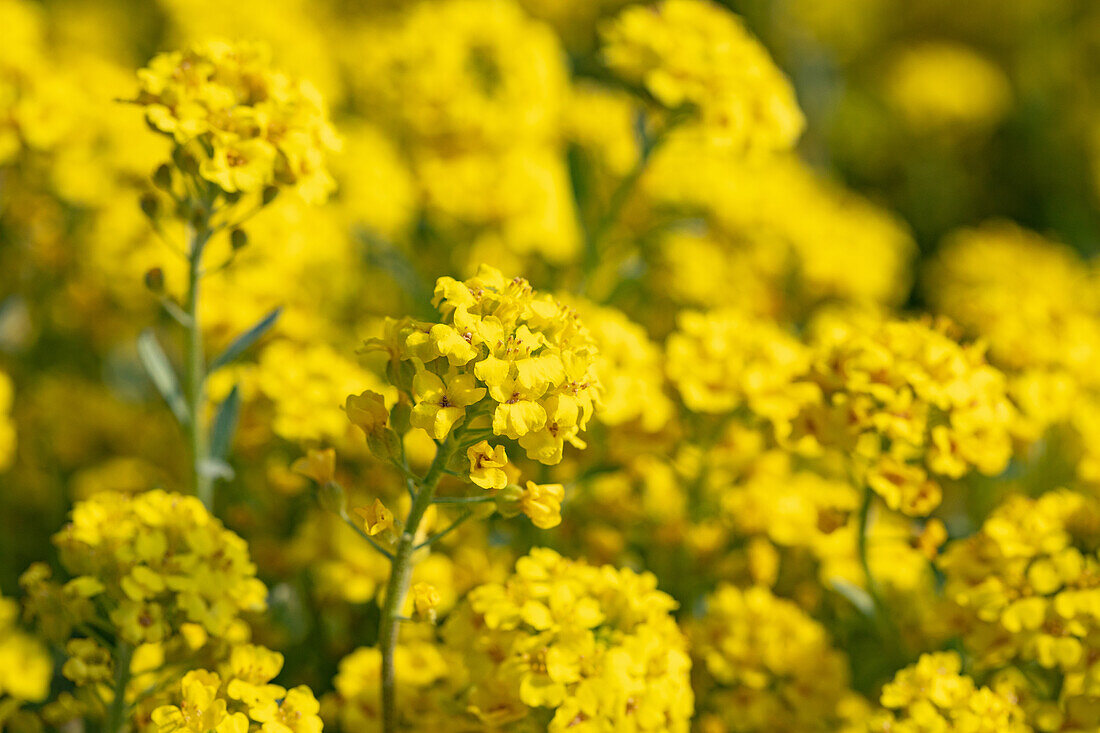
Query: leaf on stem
[(225, 424), (246, 339), (162, 375)]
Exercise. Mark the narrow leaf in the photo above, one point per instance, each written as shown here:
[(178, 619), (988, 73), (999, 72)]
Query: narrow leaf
[(161, 373), (245, 340), (225, 425), (856, 595), (215, 468)]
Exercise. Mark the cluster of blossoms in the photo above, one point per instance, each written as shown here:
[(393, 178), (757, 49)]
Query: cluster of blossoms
[(208, 701), (908, 404), (932, 695), (628, 366), (694, 53), (724, 359), (159, 562), (25, 664), (523, 361), (573, 645), (977, 98), (1038, 310), (473, 92), (764, 665), (754, 254), (246, 125), (1026, 590)]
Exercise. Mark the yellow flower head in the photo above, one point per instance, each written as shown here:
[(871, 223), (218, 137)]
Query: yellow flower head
[(584, 643), (248, 125), (542, 504), (160, 560), (425, 600), (524, 359), (487, 465), (694, 52), (377, 517), (933, 695), (756, 652)]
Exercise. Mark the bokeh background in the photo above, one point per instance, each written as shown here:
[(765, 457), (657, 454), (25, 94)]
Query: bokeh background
[(490, 131)]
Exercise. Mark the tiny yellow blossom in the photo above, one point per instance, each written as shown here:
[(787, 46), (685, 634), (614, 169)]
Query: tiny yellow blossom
[(319, 465), (487, 464), (377, 517)]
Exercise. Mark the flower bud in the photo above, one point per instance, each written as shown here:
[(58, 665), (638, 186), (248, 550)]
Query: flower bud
[(150, 205), (154, 280), (162, 178)]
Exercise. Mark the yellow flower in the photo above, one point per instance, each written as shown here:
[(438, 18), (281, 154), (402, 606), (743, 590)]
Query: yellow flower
[(201, 710), (240, 165), (441, 402), (319, 465), (694, 52), (542, 504), (377, 517), (487, 465), (425, 600), (296, 713), (367, 411), (249, 125), (932, 695)]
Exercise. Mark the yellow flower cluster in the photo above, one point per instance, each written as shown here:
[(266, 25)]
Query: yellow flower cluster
[(474, 90), (528, 353), (940, 86), (908, 404), (25, 664), (1027, 590), (932, 695), (596, 647), (246, 125), (628, 366), (764, 665), (159, 561), (212, 702), (725, 359), (778, 239), (1038, 309), (695, 53)]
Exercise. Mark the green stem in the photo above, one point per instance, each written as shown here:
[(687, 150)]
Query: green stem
[(440, 535), (401, 573), (116, 713), (864, 555), (203, 484), (619, 197)]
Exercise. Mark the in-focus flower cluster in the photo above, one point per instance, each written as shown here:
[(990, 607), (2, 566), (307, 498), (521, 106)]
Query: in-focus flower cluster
[(530, 355), (246, 125), (577, 646)]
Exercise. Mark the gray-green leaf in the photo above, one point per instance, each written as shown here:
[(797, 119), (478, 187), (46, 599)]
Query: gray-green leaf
[(246, 339), (162, 375)]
